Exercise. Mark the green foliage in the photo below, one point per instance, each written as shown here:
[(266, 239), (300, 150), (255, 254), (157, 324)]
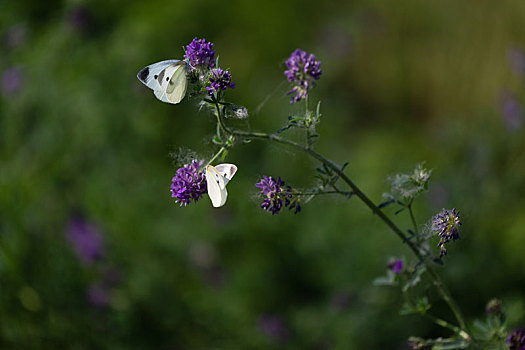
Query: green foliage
[(83, 135)]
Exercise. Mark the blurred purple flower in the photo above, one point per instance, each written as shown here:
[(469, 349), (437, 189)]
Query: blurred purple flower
[(512, 111), (446, 226), (220, 81), (98, 295), (396, 266), (12, 80), (200, 53), (273, 327), (516, 58), (189, 183), (302, 70), (517, 340), (86, 240), (80, 19)]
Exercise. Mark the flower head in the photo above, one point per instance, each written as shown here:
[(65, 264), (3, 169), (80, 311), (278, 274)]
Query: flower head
[(220, 81), (86, 240), (396, 266), (200, 53), (446, 225), (517, 340), (276, 195), (494, 306), (302, 70), (189, 183)]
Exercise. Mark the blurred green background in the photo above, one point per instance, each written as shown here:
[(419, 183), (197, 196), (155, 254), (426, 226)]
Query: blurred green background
[(85, 146)]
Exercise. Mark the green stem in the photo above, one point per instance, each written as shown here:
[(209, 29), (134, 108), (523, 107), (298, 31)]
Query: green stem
[(215, 156), (222, 126), (443, 291), (346, 193), (445, 324), (413, 219)]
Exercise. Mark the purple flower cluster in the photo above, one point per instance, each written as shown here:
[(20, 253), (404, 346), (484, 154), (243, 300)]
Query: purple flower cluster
[(189, 183), (302, 70), (200, 53), (220, 81), (86, 240), (446, 225), (517, 340), (396, 266), (276, 195)]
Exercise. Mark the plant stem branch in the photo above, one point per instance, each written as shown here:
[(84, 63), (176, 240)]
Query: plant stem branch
[(443, 291)]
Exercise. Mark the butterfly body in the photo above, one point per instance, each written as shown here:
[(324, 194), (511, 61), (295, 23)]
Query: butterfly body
[(168, 80)]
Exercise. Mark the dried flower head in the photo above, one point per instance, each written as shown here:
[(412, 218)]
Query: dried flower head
[(517, 339), (220, 80), (302, 70), (494, 306), (406, 187), (446, 225), (200, 53), (189, 183)]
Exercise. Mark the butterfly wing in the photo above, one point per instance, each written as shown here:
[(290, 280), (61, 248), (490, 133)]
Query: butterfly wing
[(227, 171), (149, 75), (216, 187), (176, 88), (167, 79)]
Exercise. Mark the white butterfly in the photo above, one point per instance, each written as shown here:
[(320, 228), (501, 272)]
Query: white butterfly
[(217, 177), (168, 79)]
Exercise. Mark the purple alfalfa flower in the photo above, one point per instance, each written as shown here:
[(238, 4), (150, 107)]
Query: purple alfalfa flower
[(220, 80), (302, 70), (12, 80), (189, 183), (86, 240), (517, 339), (446, 226), (511, 111), (275, 194), (396, 266), (200, 54)]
